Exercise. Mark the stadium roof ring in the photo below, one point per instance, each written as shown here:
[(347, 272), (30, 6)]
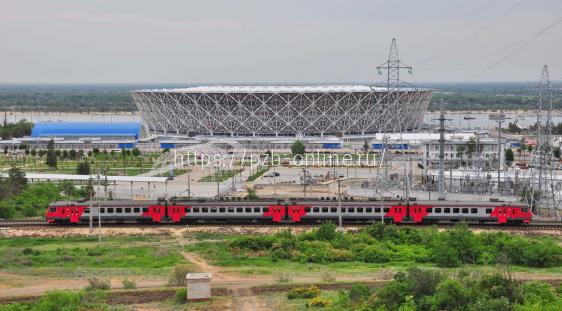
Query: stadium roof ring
[(281, 110)]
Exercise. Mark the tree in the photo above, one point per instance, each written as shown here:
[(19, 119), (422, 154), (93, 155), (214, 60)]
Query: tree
[(509, 158), (530, 148), (16, 178), (96, 151), (72, 154), (461, 149), (51, 155), (68, 188), (83, 168), (136, 152), (366, 147), (298, 148), (556, 152)]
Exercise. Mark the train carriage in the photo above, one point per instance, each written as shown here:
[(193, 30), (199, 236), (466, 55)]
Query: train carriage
[(309, 211)]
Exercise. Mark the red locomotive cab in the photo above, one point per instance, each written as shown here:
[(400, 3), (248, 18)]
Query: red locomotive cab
[(176, 212), (70, 214), (505, 214)]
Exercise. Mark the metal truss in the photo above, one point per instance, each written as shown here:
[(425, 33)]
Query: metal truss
[(317, 111)]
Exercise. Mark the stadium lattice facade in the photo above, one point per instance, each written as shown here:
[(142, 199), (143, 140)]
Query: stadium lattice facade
[(281, 110)]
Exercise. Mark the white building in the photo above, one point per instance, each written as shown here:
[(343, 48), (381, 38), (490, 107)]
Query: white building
[(463, 152)]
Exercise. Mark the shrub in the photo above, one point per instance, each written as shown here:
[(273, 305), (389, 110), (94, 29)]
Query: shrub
[(177, 278), (359, 292), (536, 293), (181, 295), (303, 292), (319, 302), (56, 300), (27, 251), (97, 284), (326, 232), (128, 284)]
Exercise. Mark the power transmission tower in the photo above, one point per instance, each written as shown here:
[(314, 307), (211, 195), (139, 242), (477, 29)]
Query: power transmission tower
[(544, 191), (392, 66)]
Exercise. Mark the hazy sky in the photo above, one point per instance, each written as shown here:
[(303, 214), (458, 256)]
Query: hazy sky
[(262, 41)]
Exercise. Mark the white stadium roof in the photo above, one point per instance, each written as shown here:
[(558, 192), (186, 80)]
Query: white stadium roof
[(275, 89)]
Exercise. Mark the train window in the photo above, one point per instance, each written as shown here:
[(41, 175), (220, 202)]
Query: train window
[(324, 209), (351, 210), (359, 210), (119, 210), (474, 210), (248, 209), (429, 210), (438, 210), (221, 210), (110, 210), (136, 210), (231, 209), (195, 210), (488, 211), (316, 209), (205, 210), (128, 210), (53, 209), (344, 210), (213, 209), (369, 210), (307, 209), (86, 211), (256, 209), (333, 210), (455, 210), (102, 210), (465, 210), (239, 210), (447, 210), (377, 209), (386, 209), (145, 209), (524, 209)]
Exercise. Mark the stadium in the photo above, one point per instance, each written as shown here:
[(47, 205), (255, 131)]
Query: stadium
[(281, 110)]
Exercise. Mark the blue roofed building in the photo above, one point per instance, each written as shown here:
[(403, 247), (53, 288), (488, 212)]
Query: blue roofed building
[(75, 130)]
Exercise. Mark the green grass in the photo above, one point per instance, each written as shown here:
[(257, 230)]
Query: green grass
[(220, 176), (82, 257), (257, 174)]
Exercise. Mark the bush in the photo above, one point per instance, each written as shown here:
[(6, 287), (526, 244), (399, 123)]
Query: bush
[(326, 232), (177, 278), (181, 295), (359, 292), (319, 302), (97, 284), (128, 284), (303, 292)]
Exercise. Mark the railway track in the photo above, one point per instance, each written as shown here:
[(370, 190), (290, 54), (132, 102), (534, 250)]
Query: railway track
[(43, 224)]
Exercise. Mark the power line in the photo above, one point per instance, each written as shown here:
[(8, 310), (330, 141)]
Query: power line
[(477, 59), (475, 33), (533, 38)]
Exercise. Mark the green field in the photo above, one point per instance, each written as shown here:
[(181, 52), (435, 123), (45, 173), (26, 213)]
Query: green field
[(82, 257)]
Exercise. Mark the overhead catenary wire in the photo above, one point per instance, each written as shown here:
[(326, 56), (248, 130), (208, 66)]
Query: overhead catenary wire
[(475, 33)]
